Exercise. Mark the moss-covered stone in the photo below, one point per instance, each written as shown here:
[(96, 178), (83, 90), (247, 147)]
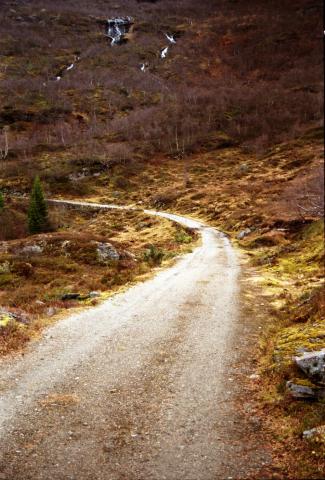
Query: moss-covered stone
[(295, 340)]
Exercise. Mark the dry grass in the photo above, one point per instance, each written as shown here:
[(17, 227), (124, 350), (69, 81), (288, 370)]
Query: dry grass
[(35, 283), (234, 190), (256, 82)]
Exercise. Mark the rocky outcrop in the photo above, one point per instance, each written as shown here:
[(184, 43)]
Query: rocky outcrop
[(8, 318), (302, 390), (106, 252), (32, 250), (313, 365), (29, 249), (118, 28)]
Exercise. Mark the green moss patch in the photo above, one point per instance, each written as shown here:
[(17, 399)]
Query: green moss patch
[(292, 341)]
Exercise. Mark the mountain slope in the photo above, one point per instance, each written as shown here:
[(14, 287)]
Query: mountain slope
[(227, 127)]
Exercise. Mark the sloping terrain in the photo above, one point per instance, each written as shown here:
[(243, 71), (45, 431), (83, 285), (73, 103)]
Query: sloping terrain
[(238, 72), (89, 255), (153, 392), (209, 109)]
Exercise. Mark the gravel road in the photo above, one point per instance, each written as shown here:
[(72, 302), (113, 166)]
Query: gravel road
[(143, 386)]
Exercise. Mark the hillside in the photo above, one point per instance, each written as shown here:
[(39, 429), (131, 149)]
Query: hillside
[(211, 110), (238, 73)]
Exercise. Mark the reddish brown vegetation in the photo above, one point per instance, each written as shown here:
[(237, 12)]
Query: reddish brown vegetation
[(304, 196), (251, 70)]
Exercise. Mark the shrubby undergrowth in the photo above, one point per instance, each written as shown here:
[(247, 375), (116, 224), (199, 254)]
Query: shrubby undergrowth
[(250, 71)]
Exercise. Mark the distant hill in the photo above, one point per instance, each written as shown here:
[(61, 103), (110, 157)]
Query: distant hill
[(250, 70)]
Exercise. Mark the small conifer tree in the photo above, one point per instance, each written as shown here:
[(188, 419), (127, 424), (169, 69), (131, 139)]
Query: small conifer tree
[(2, 202), (37, 211)]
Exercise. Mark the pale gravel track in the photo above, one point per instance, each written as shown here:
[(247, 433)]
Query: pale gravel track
[(149, 372)]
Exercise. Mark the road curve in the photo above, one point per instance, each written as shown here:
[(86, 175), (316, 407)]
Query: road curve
[(138, 387)]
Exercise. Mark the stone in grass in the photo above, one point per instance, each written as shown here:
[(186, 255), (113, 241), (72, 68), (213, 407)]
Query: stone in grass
[(51, 311), (303, 390), (71, 296), (32, 250), (106, 252), (316, 434), (300, 391), (244, 233), (313, 365), (7, 318), (94, 294)]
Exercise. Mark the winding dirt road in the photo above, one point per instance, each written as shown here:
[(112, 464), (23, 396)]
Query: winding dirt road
[(142, 386)]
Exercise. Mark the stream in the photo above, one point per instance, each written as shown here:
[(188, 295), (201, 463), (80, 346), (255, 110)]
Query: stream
[(116, 30)]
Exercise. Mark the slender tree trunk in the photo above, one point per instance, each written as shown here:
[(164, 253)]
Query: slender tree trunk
[(4, 152)]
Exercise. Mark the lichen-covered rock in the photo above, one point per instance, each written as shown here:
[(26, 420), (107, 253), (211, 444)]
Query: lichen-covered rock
[(7, 318), (32, 250), (300, 391), (313, 365), (106, 252), (294, 339), (304, 390)]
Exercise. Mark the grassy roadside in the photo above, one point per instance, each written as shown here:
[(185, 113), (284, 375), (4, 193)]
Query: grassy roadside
[(255, 198), (240, 74), (288, 297), (88, 256)]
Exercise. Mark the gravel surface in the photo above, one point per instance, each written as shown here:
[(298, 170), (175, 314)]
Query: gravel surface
[(143, 386)]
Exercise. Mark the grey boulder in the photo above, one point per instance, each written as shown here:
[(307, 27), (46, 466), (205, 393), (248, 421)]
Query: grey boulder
[(313, 365), (300, 391), (106, 252), (32, 250), (304, 392), (244, 233), (7, 317)]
